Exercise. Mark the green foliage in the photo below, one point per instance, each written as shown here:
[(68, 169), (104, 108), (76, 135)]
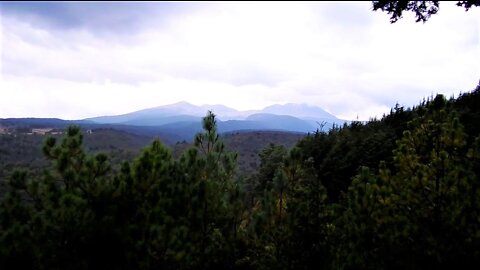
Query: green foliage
[(423, 9), (420, 213), (271, 158), (25, 151), (248, 146), (157, 212), (397, 193), (59, 211), (338, 154)]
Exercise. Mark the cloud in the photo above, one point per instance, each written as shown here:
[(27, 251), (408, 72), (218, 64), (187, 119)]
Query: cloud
[(78, 60), (95, 17)]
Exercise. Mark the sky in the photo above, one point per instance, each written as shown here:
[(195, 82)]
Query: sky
[(74, 60)]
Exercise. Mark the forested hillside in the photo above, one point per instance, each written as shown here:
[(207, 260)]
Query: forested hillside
[(248, 146), (21, 150), (401, 192)]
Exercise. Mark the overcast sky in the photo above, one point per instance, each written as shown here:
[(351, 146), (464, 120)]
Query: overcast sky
[(74, 60)]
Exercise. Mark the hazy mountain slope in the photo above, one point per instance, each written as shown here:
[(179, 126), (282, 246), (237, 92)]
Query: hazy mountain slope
[(187, 112), (184, 109), (180, 121), (159, 121), (299, 110), (282, 122)]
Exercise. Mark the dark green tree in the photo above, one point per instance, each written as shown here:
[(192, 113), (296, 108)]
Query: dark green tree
[(60, 212), (423, 9), (416, 217)]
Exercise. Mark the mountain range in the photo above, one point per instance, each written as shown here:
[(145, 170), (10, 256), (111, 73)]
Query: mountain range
[(183, 116), (181, 121)]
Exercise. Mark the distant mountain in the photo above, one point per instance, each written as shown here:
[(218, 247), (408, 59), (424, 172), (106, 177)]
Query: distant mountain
[(39, 122), (223, 112), (314, 116), (184, 119), (181, 111), (300, 111), (282, 122), (160, 121)]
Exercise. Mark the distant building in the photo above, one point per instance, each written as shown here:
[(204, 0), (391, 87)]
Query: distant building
[(6, 130), (89, 131), (41, 131)]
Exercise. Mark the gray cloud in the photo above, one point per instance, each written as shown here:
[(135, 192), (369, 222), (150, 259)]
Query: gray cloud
[(341, 56), (97, 17), (236, 74)]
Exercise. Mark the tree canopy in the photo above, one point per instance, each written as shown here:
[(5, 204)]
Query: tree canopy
[(396, 193), (423, 9)]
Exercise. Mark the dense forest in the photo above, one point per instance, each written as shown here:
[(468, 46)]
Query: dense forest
[(401, 192), (18, 149)]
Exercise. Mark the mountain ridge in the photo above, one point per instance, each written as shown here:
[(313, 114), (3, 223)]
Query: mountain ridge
[(221, 111), (182, 120)]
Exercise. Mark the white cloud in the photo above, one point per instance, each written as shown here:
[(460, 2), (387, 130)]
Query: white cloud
[(343, 57)]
